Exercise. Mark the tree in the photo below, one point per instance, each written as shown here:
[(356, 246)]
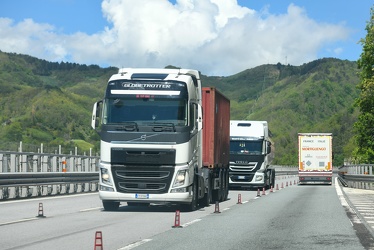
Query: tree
[(365, 125)]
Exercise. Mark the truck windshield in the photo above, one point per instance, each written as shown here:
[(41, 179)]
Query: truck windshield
[(246, 147), (145, 110), (145, 102)]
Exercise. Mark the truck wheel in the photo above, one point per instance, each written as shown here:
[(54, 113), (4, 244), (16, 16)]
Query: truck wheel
[(226, 187), (222, 186), (207, 199), (217, 193), (110, 205), (193, 205)]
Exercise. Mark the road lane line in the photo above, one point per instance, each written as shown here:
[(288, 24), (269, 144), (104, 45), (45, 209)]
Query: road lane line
[(190, 223), (136, 244), (355, 218), (47, 198), (17, 221), (90, 209)]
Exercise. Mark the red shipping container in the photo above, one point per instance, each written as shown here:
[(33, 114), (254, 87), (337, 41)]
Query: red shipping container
[(216, 128)]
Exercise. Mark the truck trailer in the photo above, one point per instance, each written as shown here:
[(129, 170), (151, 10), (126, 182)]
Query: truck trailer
[(315, 158), (164, 139), (250, 155)]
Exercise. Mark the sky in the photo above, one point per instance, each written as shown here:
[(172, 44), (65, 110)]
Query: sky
[(216, 37)]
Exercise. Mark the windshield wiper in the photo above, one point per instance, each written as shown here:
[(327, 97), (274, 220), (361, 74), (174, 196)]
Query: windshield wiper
[(128, 126), (163, 127)]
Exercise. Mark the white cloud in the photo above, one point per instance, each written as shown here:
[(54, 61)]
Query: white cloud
[(217, 37)]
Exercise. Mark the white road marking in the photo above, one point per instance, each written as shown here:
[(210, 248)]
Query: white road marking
[(191, 222), (136, 244), (90, 209), (17, 221), (345, 204), (47, 198)]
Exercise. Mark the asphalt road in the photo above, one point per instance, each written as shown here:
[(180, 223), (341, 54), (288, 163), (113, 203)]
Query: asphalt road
[(292, 217)]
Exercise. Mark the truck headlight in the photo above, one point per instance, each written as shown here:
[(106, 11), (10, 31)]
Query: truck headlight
[(180, 178), (259, 177), (105, 177)]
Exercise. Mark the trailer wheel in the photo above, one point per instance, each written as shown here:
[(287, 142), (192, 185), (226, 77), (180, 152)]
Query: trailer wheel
[(222, 185), (110, 205), (226, 185), (218, 193)]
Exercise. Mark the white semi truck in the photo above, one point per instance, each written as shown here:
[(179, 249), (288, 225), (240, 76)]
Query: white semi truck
[(250, 155), (164, 139), (315, 158)]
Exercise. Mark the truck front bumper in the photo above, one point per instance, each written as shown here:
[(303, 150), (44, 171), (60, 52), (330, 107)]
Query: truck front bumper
[(167, 198), (255, 180)]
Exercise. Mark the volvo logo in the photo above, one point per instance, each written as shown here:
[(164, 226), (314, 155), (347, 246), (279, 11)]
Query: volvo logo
[(143, 137)]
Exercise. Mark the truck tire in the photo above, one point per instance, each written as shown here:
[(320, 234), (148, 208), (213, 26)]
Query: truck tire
[(226, 186), (218, 193), (110, 205), (222, 185), (207, 199), (193, 205)]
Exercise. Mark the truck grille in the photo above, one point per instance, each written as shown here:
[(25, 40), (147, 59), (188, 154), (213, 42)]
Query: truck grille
[(243, 172), (142, 179), (243, 168)]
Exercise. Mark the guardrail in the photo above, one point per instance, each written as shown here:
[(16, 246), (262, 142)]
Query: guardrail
[(31, 179), (357, 176), (285, 170), (25, 174)]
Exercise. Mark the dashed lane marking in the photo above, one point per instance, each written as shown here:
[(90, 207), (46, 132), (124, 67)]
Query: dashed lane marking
[(136, 244), (17, 221)]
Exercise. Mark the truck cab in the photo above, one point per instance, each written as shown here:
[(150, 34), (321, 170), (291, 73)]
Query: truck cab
[(250, 155)]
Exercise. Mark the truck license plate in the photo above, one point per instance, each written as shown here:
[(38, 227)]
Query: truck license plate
[(241, 177), (142, 196)]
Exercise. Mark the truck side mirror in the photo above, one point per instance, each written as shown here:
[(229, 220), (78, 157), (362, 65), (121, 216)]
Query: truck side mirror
[(96, 114), (268, 148), (199, 118)]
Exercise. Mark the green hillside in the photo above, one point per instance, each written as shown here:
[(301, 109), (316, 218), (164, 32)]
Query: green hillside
[(51, 103), (315, 97)]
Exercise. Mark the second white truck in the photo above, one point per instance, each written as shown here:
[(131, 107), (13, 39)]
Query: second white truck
[(250, 155)]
